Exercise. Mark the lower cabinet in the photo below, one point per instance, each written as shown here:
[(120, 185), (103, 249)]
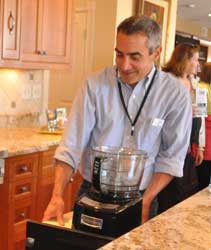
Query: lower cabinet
[(25, 194)]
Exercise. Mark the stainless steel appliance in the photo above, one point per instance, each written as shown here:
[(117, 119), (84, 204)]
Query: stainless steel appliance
[(113, 205)]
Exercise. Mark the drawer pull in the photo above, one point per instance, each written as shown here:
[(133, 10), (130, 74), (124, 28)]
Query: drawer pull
[(42, 52), (11, 23), (24, 189), (22, 215), (30, 242), (24, 169)]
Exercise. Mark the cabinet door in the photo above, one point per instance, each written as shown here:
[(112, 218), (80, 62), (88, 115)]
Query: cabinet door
[(11, 29), (45, 31)]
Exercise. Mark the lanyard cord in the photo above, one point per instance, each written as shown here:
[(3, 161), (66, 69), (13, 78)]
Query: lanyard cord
[(133, 123)]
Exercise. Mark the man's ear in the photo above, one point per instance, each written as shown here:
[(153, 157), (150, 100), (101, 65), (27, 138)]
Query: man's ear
[(157, 53)]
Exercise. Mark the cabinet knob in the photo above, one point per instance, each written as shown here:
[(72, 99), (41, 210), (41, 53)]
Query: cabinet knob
[(24, 189), (22, 215), (24, 169), (30, 242), (42, 52)]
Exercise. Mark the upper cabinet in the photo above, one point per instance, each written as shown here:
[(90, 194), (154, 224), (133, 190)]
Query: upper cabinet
[(36, 33), (11, 29)]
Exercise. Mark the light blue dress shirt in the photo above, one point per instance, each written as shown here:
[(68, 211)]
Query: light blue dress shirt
[(97, 118)]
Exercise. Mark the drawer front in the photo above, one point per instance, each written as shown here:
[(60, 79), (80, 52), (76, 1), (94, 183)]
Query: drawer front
[(23, 210), (20, 211), (22, 166), (23, 188), (22, 214)]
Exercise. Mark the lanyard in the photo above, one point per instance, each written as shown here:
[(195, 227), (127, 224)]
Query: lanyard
[(133, 123)]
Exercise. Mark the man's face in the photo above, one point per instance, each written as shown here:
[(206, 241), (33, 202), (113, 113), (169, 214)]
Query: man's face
[(132, 57)]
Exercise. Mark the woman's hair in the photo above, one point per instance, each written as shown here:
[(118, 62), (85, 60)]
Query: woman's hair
[(139, 24), (205, 75), (180, 58)]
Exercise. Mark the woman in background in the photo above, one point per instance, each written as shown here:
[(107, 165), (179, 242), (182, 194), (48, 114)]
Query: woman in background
[(184, 64), (204, 170)]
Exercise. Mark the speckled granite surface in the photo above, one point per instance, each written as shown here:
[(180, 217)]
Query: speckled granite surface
[(186, 226), (25, 140)]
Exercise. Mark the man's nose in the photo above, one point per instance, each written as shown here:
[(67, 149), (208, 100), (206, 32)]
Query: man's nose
[(125, 64)]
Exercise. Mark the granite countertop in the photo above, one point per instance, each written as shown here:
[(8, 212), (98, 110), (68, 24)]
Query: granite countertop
[(17, 141), (186, 226)]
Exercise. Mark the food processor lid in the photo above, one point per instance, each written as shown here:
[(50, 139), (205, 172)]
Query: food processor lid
[(123, 151)]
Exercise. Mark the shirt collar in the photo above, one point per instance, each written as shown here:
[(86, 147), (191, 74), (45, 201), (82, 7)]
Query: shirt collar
[(148, 78), (144, 81)]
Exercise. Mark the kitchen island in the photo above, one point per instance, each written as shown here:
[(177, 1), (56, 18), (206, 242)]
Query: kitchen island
[(186, 226)]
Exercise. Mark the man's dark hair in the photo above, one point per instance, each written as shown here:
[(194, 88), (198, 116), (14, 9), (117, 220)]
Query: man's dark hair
[(142, 24)]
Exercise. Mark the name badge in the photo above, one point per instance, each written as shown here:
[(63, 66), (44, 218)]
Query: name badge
[(156, 122)]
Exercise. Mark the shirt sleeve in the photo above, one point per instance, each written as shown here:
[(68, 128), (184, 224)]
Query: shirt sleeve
[(175, 137), (202, 133), (80, 124)]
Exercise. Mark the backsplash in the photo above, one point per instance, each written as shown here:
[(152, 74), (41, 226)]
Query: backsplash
[(23, 98)]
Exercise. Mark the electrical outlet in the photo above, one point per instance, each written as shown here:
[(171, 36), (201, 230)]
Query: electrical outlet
[(36, 90), (27, 91)]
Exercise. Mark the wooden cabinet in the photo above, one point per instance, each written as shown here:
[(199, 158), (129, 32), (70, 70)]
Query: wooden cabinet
[(20, 182), (25, 193), (11, 29), (45, 38)]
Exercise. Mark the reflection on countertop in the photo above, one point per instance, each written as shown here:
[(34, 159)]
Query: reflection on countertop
[(17, 141), (186, 226)]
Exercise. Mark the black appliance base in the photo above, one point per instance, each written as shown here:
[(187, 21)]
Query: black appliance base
[(107, 222)]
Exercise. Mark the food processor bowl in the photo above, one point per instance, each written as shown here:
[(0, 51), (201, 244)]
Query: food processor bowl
[(117, 172)]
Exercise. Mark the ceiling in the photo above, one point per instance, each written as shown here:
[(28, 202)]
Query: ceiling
[(197, 14)]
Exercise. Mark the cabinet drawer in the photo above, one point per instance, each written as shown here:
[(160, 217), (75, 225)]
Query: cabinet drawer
[(23, 210), (22, 213), (23, 188), (22, 166)]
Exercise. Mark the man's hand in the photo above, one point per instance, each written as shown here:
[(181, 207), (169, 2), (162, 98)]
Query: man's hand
[(199, 156), (55, 209), (145, 210), (157, 183)]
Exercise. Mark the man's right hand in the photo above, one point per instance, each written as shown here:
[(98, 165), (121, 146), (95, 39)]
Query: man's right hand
[(55, 209)]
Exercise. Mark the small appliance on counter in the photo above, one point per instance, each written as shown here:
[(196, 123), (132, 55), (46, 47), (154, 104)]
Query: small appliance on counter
[(56, 120), (113, 205)]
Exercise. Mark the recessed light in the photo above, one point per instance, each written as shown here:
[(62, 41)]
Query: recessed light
[(209, 15)]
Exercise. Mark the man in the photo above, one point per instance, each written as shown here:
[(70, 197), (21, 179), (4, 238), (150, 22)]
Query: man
[(130, 105)]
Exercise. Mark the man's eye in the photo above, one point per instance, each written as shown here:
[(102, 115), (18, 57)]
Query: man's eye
[(119, 54), (135, 58)]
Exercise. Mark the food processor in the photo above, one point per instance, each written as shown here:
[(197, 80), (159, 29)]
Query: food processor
[(112, 206)]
